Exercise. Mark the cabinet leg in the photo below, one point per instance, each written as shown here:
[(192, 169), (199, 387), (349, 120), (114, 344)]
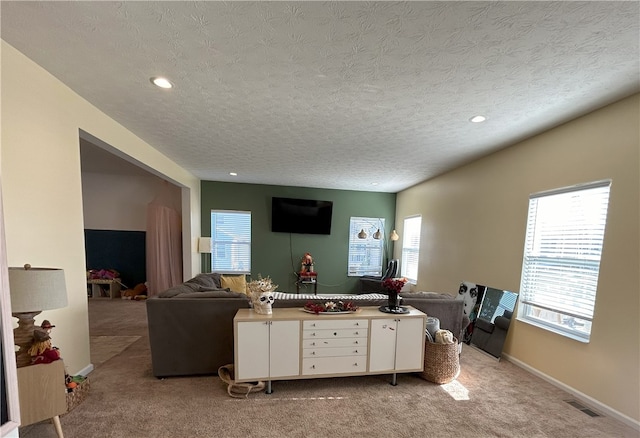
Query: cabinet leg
[(58, 426), (269, 390), (394, 379)]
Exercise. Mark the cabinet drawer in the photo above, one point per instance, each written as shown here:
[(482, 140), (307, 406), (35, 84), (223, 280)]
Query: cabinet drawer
[(335, 333), (334, 365), (335, 351), (336, 324), (335, 342)]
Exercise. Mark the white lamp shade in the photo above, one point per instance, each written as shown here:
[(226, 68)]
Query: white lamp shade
[(36, 289), (204, 245), (394, 236)]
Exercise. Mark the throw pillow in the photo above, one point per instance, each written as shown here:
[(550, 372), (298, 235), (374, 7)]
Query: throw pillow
[(235, 283)]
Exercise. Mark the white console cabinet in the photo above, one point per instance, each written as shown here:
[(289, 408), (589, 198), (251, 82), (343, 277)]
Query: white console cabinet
[(293, 344)]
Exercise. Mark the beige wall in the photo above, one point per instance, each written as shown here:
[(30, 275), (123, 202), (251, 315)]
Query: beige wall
[(41, 184), (119, 202), (473, 226)]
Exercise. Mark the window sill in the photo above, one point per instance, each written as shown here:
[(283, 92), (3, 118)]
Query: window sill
[(553, 329)]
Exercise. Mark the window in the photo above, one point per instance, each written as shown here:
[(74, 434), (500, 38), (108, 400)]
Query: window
[(366, 254), (411, 248), (231, 241), (563, 245)]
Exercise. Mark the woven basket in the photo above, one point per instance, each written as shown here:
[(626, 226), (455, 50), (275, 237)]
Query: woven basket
[(77, 395), (441, 362)]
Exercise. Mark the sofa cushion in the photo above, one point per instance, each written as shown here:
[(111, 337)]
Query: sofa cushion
[(235, 283)]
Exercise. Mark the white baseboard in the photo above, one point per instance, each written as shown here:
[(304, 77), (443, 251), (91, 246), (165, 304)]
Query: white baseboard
[(86, 370), (598, 406)]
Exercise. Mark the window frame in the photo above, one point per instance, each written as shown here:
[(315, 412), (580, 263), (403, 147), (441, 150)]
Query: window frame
[(367, 247), (241, 245), (562, 252), (411, 235)]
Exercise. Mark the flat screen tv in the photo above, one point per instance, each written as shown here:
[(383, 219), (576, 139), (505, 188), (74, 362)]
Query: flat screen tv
[(303, 216)]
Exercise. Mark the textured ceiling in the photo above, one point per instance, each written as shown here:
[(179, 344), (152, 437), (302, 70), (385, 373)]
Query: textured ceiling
[(335, 95)]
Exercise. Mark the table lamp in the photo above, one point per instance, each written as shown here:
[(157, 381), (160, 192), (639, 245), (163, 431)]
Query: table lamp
[(32, 291)]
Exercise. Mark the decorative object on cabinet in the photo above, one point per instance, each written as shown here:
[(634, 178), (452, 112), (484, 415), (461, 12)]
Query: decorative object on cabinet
[(32, 291), (330, 307), (261, 294), (41, 351), (393, 286)]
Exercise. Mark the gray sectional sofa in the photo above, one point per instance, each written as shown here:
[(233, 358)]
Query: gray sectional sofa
[(191, 325)]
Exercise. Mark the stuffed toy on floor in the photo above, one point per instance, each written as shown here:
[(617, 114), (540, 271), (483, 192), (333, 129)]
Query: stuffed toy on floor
[(139, 292)]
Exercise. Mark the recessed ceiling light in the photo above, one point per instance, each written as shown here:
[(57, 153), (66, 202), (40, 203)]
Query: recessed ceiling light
[(233, 174), (477, 119), (374, 184), (161, 82)]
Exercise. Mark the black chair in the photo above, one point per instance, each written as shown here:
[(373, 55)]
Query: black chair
[(373, 284)]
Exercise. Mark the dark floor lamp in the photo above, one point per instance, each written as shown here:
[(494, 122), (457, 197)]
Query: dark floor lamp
[(32, 291)]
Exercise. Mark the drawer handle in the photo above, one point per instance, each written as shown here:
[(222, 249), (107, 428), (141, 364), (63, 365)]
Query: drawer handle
[(357, 333), (356, 342), (355, 364), (313, 325), (313, 367), (356, 351), (313, 352), (335, 333), (313, 344), (313, 334), (357, 323)]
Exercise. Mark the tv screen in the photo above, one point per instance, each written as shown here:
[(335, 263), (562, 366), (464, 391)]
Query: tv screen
[(303, 216)]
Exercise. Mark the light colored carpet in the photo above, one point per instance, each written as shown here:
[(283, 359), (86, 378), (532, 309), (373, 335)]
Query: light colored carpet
[(488, 399), (104, 348)]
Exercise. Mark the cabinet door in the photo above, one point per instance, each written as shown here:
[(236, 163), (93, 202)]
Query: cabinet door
[(382, 350), (410, 344), (285, 349), (253, 350)]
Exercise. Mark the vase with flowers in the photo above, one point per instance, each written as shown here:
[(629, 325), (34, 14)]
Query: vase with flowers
[(393, 286)]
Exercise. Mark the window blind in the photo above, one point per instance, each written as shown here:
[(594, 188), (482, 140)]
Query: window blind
[(231, 241), (411, 248), (563, 247), (365, 255)]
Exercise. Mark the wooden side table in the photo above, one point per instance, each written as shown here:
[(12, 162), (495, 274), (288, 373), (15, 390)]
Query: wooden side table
[(42, 393), (96, 287)]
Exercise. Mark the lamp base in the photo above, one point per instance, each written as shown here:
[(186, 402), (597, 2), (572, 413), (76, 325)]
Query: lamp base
[(23, 336)]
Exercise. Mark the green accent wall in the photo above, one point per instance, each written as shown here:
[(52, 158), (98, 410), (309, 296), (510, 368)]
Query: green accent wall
[(278, 255)]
